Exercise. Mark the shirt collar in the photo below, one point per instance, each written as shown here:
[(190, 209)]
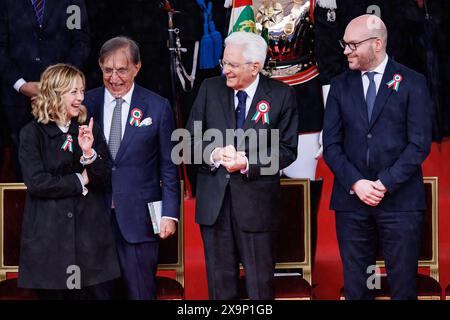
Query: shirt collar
[(126, 98), (380, 68), (251, 89)]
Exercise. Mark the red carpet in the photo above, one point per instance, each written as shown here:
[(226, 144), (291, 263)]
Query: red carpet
[(327, 274)]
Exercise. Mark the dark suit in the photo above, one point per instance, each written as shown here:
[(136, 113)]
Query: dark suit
[(142, 162), (26, 50), (248, 204), (391, 147), (62, 227)]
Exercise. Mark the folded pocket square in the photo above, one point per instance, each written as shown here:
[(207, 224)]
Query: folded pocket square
[(146, 122)]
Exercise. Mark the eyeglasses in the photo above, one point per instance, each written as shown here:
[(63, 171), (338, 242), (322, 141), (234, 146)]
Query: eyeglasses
[(353, 45), (232, 66), (120, 72)]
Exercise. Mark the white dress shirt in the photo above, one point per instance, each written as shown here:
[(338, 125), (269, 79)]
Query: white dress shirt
[(379, 72), (250, 91), (108, 110), (377, 78)]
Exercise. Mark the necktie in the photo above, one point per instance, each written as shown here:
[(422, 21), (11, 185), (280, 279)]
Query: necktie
[(115, 135), (240, 110), (371, 93), (39, 6)]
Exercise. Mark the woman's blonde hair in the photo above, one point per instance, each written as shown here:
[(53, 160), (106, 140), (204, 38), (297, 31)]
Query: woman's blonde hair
[(56, 81)]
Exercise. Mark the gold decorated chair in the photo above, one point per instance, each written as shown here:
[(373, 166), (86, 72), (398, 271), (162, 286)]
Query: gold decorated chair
[(428, 287), (293, 260), (12, 202), (171, 260)]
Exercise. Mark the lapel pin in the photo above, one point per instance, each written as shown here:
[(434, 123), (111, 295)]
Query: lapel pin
[(135, 118), (262, 111), (395, 82)]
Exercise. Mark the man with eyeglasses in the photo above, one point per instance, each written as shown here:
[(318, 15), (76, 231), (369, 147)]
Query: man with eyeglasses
[(377, 133), (137, 124), (237, 203)]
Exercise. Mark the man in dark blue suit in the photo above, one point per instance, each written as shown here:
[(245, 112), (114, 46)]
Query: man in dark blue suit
[(35, 34), (137, 124), (376, 135)]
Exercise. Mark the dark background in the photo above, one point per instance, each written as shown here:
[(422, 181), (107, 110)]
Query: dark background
[(146, 23)]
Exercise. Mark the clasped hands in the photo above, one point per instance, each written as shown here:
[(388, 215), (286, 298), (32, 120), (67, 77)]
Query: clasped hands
[(231, 159), (369, 192)]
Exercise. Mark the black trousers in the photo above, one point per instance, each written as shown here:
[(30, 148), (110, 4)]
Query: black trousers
[(399, 235), (138, 265), (225, 245), (94, 292)]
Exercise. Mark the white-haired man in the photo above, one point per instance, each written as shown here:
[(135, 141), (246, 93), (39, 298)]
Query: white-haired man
[(237, 194)]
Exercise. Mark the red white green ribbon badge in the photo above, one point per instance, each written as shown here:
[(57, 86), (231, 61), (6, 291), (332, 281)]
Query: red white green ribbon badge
[(262, 111), (135, 118), (395, 82), (68, 144)]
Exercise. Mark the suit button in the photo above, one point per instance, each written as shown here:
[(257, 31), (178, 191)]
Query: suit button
[(70, 215), (369, 136), (37, 59), (227, 176), (113, 168)]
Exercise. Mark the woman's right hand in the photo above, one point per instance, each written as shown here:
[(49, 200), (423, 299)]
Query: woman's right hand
[(86, 138)]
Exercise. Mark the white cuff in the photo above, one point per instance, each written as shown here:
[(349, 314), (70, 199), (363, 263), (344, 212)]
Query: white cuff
[(213, 163), (88, 160), (171, 218), (245, 171), (19, 83), (80, 177)]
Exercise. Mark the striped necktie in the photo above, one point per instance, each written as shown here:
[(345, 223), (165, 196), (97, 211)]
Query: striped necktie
[(39, 7)]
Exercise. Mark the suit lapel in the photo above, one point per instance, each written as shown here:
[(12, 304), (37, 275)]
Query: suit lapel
[(383, 92), (130, 130), (356, 90), (226, 100), (31, 15), (262, 93), (49, 8)]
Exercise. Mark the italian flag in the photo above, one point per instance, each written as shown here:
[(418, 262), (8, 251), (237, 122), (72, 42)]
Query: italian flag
[(242, 17)]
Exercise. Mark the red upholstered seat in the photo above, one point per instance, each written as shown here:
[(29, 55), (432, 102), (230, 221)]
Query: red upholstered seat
[(168, 289), (10, 291), (171, 251), (447, 293)]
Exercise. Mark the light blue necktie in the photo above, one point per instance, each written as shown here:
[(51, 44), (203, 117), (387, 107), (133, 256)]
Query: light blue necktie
[(371, 93)]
